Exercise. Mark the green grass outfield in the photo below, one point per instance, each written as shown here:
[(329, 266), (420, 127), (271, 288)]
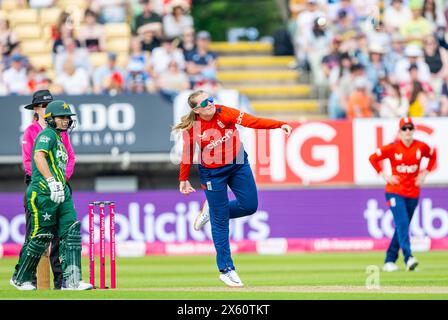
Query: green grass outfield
[(290, 277)]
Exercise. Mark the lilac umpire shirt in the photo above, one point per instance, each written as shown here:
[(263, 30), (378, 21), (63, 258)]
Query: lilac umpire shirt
[(27, 148)]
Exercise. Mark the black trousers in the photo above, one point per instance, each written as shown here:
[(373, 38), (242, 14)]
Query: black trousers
[(54, 248)]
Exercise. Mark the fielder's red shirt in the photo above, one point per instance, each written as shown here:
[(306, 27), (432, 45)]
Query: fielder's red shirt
[(218, 138), (405, 163)]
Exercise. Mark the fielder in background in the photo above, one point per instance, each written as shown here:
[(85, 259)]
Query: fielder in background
[(223, 162), (51, 204), (40, 101), (403, 187)]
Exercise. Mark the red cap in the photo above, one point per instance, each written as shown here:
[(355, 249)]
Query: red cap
[(118, 78), (406, 120)]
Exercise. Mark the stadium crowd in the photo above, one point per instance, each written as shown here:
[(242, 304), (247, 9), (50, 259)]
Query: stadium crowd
[(379, 58), (165, 52)]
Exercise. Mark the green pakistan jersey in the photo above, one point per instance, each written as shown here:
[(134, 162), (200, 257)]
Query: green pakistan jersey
[(50, 142)]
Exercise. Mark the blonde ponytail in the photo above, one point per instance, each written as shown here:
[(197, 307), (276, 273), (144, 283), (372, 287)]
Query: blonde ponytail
[(186, 122)]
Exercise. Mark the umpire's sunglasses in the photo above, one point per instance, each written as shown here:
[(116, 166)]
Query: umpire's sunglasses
[(205, 102)]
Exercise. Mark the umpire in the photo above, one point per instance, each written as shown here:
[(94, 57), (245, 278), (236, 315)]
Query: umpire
[(40, 101)]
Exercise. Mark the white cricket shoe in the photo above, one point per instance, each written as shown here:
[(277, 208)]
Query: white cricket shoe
[(411, 264), (203, 217), (390, 267), (231, 279), (81, 286), (26, 286)]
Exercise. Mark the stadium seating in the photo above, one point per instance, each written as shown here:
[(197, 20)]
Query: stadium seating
[(27, 31), (8, 5), (22, 16), (117, 30), (49, 16), (98, 59), (118, 45), (71, 4), (38, 46), (44, 61)]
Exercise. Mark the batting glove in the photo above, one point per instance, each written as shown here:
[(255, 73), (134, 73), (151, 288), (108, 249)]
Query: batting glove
[(57, 190)]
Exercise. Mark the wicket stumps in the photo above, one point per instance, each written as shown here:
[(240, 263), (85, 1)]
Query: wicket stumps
[(102, 216)]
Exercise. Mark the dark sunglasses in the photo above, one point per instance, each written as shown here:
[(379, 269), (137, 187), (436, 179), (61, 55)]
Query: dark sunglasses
[(410, 128), (205, 102)]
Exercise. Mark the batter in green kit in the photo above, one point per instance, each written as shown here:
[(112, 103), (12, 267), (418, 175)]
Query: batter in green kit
[(50, 203)]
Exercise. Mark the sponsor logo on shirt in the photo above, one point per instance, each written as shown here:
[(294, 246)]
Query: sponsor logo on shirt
[(44, 139), (240, 118), (398, 156), (402, 168), (220, 124), (215, 143)]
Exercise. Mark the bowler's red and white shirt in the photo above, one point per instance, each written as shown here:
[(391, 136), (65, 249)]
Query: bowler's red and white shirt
[(405, 163), (218, 138)]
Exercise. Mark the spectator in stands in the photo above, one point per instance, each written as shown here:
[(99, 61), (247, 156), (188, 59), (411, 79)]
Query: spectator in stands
[(37, 80), (79, 56), (375, 65), (444, 98), (164, 7), (3, 88), (417, 93), (360, 50), (202, 63), (161, 56), (360, 103), (92, 35), (413, 55), (315, 47), (38, 4), (336, 102), (16, 50), (63, 30), (15, 78), (72, 80), (396, 15), (365, 9), (393, 105), (171, 82), (188, 43), (137, 79), (433, 13), (331, 60), (345, 26), (379, 35), (147, 16), (349, 9), (437, 60), (149, 34), (110, 11), (295, 8), (417, 28), (395, 52), (379, 89), (8, 38), (136, 53), (177, 20), (304, 24), (110, 77)]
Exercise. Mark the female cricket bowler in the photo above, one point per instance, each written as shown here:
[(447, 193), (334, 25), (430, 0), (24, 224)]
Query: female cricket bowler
[(403, 187), (223, 162)]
